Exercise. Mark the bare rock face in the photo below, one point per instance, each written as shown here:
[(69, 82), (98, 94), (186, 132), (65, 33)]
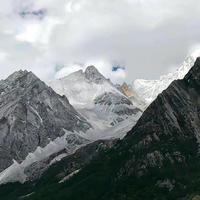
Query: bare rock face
[(92, 74), (32, 115), (168, 133), (126, 90), (110, 98), (132, 95), (117, 104)]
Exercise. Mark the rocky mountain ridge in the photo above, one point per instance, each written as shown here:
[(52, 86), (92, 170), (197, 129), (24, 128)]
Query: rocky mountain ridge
[(96, 98), (32, 116), (148, 90), (158, 159)]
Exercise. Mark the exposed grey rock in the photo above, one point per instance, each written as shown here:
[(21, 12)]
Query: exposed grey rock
[(36, 169), (31, 115), (168, 132), (110, 98), (132, 95), (69, 163), (96, 97), (125, 89), (117, 104), (92, 74), (166, 183)]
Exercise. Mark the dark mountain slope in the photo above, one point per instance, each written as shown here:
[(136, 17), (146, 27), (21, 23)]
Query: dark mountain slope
[(157, 160), (59, 173)]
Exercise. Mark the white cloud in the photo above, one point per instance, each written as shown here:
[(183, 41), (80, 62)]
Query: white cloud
[(195, 51), (37, 31), (103, 66), (146, 36), (65, 71), (3, 56)]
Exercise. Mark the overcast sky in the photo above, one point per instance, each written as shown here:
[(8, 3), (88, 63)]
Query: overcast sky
[(139, 38)]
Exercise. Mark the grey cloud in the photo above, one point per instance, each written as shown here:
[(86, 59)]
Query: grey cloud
[(40, 14), (148, 37)]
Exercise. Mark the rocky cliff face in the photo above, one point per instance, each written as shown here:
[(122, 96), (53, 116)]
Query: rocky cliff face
[(31, 116), (93, 75), (132, 95), (169, 130), (119, 105), (163, 147), (126, 89)]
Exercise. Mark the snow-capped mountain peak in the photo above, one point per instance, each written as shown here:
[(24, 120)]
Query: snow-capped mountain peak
[(96, 98), (149, 89), (92, 74), (16, 76), (82, 87), (33, 116)]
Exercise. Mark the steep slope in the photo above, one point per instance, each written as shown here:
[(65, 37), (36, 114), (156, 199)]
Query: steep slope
[(126, 89), (158, 159), (132, 95), (35, 122), (59, 172), (148, 90), (82, 88), (97, 99)]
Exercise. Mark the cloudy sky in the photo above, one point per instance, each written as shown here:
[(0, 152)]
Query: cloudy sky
[(124, 39)]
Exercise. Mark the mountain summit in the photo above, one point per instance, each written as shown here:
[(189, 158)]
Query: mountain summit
[(32, 116), (193, 76), (98, 100), (92, 74), (148, 90)]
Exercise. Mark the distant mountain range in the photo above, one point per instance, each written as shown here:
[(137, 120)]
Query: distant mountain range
[(35, 122), (99, 101), (142, 92), (40, 126), (82, 137), (148, 90)]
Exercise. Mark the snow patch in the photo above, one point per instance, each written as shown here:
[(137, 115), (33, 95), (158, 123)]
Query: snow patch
[(15, 173), (148, 90), (66, 178)]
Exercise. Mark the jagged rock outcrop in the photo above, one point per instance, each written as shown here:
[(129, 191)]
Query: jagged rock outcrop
[(35, 170), (31, 116), (126, 89), (168, 132), (132, 95), (116, 104), (93, 75)]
